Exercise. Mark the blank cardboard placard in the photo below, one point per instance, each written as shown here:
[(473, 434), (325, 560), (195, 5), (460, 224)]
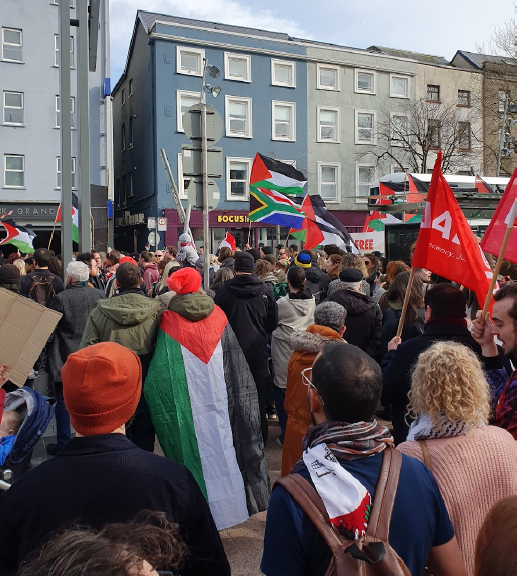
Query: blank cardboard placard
[(24, 330)]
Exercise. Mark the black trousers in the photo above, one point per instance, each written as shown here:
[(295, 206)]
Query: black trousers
[(263, 382)]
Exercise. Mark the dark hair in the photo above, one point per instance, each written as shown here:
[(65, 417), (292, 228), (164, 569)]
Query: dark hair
[(172, 250), (397, 293), (330, 249), (270, 258), (373, 259), (55, 266), (42, 257), (225, 253), (336, 259), (348, 381), (296, 277), (293, 247), (146, 256), (446, 301), (262, 267), (311, 253), (508, 290), (86, 257), (114, 257), (128, 276), (29, 260), (112, 551)]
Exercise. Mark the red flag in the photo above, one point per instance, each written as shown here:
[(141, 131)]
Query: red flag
[(493, 237), (228, 241), (446, 245)]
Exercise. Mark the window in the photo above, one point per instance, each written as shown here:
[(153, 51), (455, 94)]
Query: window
[(283, 73), (238, 117), (130, 88), (131, 131), (502, 100), (399, 127), (399, 86), (328, 124), (396, 169), (56, 3), (284, 121), (131, 190), (58, 112), (328, 77), (184, 100), (364, 126), (237, 178), (56, 51), (11, 44), (464, 98), (237, 67), (435, 136), (364, 176), (14, 171), (433, 93), (123, 97), (189, 61), (464, 136), (183, 181), (123, 137), (117, 192), (13, 108), (328, 181), (58, 175), (124, 191), (365, 82)]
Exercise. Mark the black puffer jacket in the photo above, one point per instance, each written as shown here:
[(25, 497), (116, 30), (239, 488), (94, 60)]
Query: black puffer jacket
[(318, 282), (363, 320)]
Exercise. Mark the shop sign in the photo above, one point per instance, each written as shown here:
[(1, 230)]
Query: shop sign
[(369, 241), (233, 218), (33, 210), (162, 224)]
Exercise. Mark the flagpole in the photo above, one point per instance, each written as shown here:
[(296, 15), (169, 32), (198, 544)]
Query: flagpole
[(249, 234), (51, 236), (406, 302)]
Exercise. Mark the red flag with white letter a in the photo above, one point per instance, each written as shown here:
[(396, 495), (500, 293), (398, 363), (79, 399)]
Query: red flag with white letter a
[(446, 245), (494, 235)]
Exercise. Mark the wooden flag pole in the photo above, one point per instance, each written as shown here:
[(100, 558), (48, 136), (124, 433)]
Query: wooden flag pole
[(499, 262), (406, 301), (51, 236)]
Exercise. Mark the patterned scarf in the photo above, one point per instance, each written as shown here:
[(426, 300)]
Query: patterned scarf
[(425, 427), (78, 284)]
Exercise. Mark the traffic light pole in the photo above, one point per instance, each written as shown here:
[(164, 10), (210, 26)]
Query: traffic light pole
[(204, 170), (501, 137)]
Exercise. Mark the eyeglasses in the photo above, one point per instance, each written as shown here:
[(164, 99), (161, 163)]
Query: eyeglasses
[(307, 378)]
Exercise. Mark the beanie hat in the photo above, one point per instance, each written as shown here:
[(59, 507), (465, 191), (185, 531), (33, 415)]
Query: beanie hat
[(351, 275), (101, 404), (184, 281), (9, 274), (303, 260), (127, 259), (255, 253), (244, 262)]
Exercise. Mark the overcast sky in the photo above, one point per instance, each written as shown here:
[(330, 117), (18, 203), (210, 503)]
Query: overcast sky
[(440, 27)]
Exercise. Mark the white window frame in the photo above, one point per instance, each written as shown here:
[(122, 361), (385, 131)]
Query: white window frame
[(229, 197), (4, 107), (320, 86), (357, 168), (371, 73), (22, 156), (57, 48), (230, 55), (408, 78), (72, 111), (9, 44), (395, 141), (336, 165), (56, 3), (179, 115), (292, 106), (199, 51), (58, 172), (319, 138), (276, 61), (501, 100), (356, 127), (249, 117), (181, 186)]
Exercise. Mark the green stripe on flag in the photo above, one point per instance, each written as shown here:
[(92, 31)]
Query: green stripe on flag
[(292, 190), (170, 407), (299, 235)]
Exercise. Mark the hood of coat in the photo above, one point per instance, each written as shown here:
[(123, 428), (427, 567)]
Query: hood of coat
[(151, 266), (245, 286), (303, 306), (356, 303), (129, 309), (313, 339), (195, 306), (228, 263), (313, 274)]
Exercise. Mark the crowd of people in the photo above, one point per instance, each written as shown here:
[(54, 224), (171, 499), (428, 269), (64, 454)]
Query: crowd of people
[(398, 452)]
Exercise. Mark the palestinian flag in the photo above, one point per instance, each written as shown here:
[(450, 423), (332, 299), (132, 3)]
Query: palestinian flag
[(75, 217), (18, 236), (204, 406), (481, 186), (321, 227), (270, 174)]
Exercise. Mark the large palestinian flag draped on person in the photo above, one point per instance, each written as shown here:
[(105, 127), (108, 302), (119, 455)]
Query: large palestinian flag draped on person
[(18, 236), (75, 217), (204, 406), (271, 184)]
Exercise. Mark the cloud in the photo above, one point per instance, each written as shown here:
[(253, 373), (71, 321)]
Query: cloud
[(123, 13)]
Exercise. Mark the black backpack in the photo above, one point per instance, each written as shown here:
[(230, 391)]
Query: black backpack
[(42, 289)]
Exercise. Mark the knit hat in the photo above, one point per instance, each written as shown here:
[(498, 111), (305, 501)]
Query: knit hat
[(9, 274), (244, 262), (184, 281), (255, 253), (303, 260), (127, 259), (102, 385), (350, 275)]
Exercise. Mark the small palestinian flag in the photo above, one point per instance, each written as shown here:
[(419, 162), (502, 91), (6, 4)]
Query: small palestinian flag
[(75, 218), (228, 242), (18, 236), (270, 174)]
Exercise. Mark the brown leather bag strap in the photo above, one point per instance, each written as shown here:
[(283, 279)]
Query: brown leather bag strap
[(311, 503), (425, 452), (385, 492)]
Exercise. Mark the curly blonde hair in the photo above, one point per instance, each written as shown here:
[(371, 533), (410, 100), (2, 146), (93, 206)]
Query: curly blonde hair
[(350, 260), (448, 379)]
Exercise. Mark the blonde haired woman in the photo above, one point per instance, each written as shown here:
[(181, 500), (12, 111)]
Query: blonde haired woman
[(473, 463), (20, 264)]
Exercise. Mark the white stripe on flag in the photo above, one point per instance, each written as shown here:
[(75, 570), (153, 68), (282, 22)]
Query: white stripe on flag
[(209, 403), (284, 181)]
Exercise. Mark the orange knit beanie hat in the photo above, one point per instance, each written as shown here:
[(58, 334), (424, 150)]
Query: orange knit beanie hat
[(101, 386)]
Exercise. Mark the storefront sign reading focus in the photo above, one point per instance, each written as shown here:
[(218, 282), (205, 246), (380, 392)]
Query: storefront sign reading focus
[(233, 218)]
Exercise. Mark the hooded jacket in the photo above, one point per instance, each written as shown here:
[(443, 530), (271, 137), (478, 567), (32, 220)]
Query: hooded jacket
[(251, 309), (306, 346), (363, 320), (318, 282), (188, 253), (151, 275), (293, 315)]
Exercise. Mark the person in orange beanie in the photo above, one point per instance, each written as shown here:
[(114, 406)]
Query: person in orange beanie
[(100, 477)]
